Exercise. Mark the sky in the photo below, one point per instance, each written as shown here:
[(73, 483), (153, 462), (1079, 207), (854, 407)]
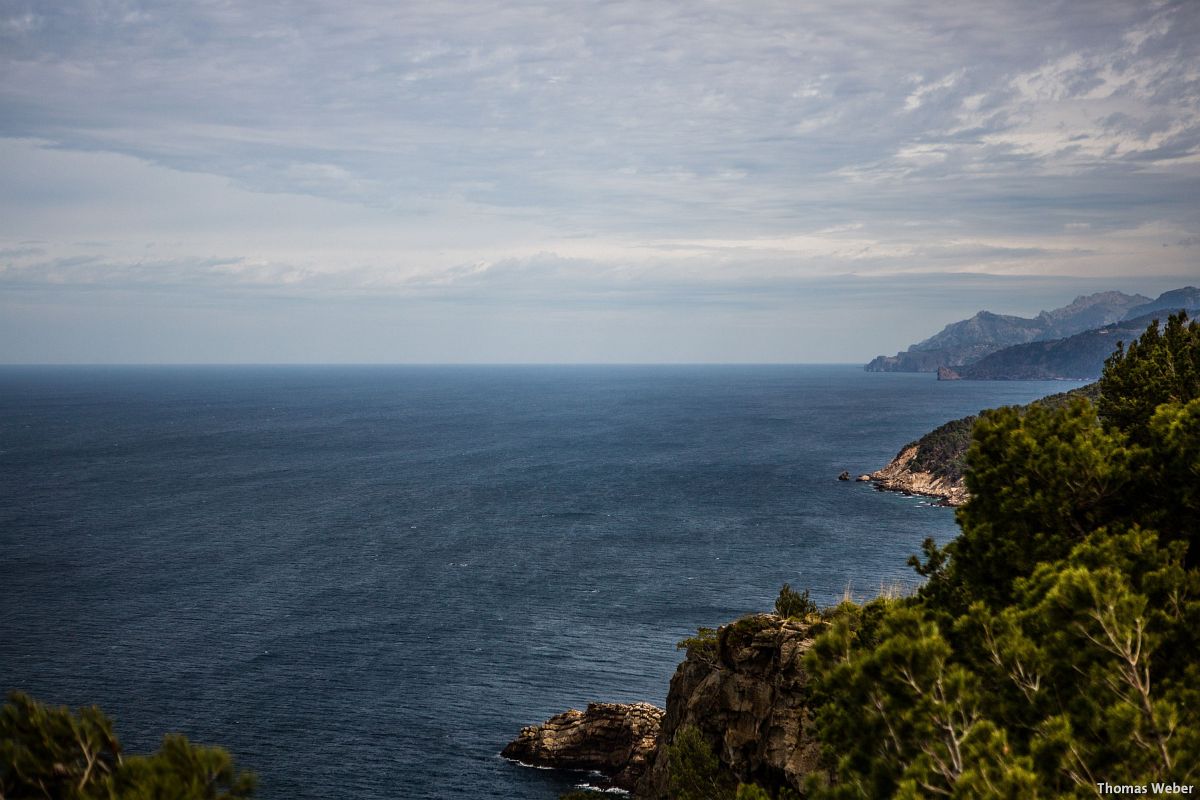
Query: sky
[(454, 181)]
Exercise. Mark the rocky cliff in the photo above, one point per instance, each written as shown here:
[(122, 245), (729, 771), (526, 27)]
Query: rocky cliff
[(615, 739), (935, 464), (900, 476), (747, 696)]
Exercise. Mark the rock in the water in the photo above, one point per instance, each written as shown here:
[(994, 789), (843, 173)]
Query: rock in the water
[(615, 739), (947, 374), (749, 700), (863, 478), (845, 476)]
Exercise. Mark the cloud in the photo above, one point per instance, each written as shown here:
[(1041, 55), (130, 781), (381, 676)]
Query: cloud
[(591, 152)]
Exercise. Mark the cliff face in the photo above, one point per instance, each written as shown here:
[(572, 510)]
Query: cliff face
[(615, 739), (749, 701), (933, 465), (901, 476)]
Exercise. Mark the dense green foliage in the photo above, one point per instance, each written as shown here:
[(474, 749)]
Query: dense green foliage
[(52, 754), (1160, 367), (1054, 644)]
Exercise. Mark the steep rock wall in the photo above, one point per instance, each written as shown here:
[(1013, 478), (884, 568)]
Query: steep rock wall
[(900, 475), (749, 700)]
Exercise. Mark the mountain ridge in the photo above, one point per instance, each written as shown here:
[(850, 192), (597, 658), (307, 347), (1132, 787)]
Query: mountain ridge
[(974, 339), (1077, 357)]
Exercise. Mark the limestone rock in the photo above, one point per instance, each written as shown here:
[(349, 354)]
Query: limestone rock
[(615, 739), (900, 476), (749, 700)]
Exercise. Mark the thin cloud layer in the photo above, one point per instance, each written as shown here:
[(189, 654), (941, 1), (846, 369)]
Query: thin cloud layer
[(585, 157)]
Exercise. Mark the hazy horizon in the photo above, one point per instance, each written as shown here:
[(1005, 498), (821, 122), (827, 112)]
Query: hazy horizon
[(580, 183)]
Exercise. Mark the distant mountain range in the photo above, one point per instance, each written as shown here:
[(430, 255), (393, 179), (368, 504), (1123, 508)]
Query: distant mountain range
[(1068, 342)]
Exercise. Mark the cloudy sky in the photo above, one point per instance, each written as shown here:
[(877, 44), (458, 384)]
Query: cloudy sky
[(563, 181)]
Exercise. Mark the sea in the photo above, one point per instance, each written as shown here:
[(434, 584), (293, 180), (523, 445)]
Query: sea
[(363, 581)]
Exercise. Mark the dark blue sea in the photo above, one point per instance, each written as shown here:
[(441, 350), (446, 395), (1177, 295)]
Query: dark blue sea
[(364, 580)]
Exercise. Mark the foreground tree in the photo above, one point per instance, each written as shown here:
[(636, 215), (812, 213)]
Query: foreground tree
[(52, 754)]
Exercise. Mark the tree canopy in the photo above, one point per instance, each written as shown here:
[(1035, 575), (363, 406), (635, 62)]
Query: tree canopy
[(1053, 646)]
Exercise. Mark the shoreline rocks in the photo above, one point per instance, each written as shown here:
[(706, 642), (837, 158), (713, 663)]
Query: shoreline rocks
[(615, 739), (899, 476)]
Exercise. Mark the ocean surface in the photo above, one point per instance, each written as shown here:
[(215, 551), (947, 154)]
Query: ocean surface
[(363, 581)]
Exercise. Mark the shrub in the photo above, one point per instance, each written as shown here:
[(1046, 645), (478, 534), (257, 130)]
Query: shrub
[(792, 604)]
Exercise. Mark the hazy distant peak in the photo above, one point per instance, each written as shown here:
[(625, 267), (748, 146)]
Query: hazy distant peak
[(984, 327), (969, 340), (1086, 301), (1185, 297)]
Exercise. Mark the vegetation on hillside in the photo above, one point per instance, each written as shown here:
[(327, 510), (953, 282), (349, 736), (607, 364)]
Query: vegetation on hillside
[(943, 451)]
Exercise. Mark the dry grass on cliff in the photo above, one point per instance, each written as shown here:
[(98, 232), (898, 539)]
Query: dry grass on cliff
[(894, 589)]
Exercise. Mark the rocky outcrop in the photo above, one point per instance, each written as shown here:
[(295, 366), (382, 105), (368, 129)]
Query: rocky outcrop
[(748, 698), (947, 374), (901, 476), (614, 739)]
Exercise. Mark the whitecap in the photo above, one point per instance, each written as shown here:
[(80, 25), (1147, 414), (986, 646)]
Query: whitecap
[(609, 790)]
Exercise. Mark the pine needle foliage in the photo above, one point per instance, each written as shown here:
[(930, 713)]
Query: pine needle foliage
[(1053, 645)]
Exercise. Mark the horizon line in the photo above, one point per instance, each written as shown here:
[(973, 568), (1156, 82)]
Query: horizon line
[(6, 365)]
